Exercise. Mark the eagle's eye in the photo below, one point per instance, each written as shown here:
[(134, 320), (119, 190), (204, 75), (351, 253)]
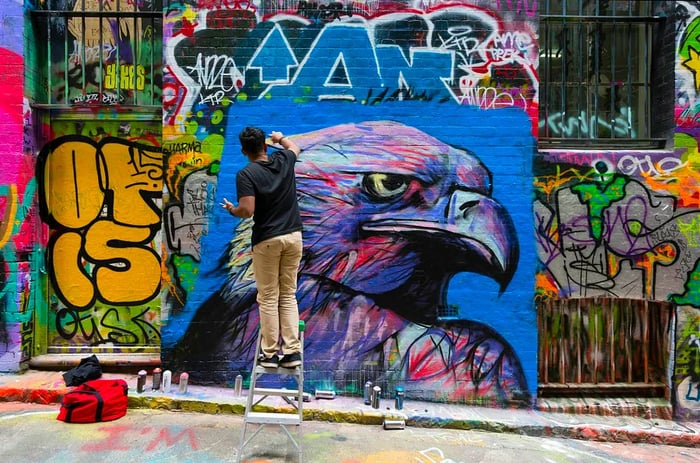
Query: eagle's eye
[(384, 187)]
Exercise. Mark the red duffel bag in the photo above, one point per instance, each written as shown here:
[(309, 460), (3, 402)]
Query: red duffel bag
[(95, 401)]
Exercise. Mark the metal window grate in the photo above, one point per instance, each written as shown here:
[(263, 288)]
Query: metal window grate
[(595, 76), (604, 344), (100, 52)]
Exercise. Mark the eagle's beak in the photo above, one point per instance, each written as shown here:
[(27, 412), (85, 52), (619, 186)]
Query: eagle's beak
[(485, 227), (472, 233)]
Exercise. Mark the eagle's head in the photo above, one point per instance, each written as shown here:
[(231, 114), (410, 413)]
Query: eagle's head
[(392, 212)]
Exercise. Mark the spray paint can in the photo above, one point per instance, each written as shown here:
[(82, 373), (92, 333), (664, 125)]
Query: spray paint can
[(167, 380), (157, 378), (184, 379), (368, 393), (398, 400), (141, 381), (390, 423), (376, 392), (320, 394), (238, 386)]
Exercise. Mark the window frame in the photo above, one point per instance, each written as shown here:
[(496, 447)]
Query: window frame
[(44, 15), (655, 136)]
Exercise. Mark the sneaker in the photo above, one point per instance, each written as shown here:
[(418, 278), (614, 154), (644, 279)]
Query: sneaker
[(290, 360), (268, 362)]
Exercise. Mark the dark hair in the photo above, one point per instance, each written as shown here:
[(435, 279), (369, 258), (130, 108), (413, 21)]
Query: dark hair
[(252, 140)]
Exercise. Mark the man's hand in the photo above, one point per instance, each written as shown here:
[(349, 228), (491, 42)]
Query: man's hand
[(227, 205), (286, 143), (276, 137), (244, 210)]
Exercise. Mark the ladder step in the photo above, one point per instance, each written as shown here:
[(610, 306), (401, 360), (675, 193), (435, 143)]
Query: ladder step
[(272, 418), (276, 392), (295, 371)]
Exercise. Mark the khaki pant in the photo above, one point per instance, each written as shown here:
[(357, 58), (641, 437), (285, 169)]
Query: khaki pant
[(275, 266)]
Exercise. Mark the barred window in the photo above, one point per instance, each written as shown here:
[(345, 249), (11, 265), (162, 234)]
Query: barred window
[(596, 78), (97, 52)]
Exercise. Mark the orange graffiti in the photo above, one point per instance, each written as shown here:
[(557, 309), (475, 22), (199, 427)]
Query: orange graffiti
[(550, 183), (682, 183), (545, 286), (102, 200)]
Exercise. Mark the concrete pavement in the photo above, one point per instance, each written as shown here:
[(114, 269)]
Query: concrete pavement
[(47, 387)]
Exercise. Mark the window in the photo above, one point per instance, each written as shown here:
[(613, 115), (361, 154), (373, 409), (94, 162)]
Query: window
[(597, 77), (97, 52)]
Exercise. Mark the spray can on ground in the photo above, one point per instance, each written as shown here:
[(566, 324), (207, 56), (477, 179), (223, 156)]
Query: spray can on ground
[(376, 392), (321, 394), (238, 386), (167, 380), (184, 379), (141, 381), (368, 393), (398, 401), (391, 423), (157, 377)]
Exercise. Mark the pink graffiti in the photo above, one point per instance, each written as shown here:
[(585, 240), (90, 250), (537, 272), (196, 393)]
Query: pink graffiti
[(11, 117), (224, 4), (120, 438), (529, 7)]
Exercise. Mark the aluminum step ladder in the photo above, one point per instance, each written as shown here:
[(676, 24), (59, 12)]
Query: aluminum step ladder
[(258, 394)]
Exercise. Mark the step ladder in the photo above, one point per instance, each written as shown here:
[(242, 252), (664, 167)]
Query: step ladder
[(258, 394)]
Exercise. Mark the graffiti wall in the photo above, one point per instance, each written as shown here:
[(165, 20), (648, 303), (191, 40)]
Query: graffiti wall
[(416, 123), (99, 175), (17, 236), (622, 226), (100, 197), (420, 187), (686, 374)]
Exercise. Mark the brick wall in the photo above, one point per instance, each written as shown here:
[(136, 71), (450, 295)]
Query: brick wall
[(16, 237), (415, 189)]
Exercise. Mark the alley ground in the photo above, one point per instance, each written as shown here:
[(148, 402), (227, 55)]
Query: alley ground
[(31, 433)]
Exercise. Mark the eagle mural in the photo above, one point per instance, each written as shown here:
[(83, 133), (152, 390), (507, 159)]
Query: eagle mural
[(390, 214)]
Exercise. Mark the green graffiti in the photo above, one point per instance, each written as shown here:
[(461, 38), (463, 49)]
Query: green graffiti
[(690, 39), (691, 296), (688, 350), (187, 272), (14, 301), (691, 231), (598, 196), (217, 117), (102, 324)]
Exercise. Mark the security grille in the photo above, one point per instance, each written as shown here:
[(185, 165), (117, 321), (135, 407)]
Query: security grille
[(595, 73), (602, 346), (98, 52)]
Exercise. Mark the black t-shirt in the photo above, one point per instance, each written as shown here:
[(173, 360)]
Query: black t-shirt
[(273, 184)]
